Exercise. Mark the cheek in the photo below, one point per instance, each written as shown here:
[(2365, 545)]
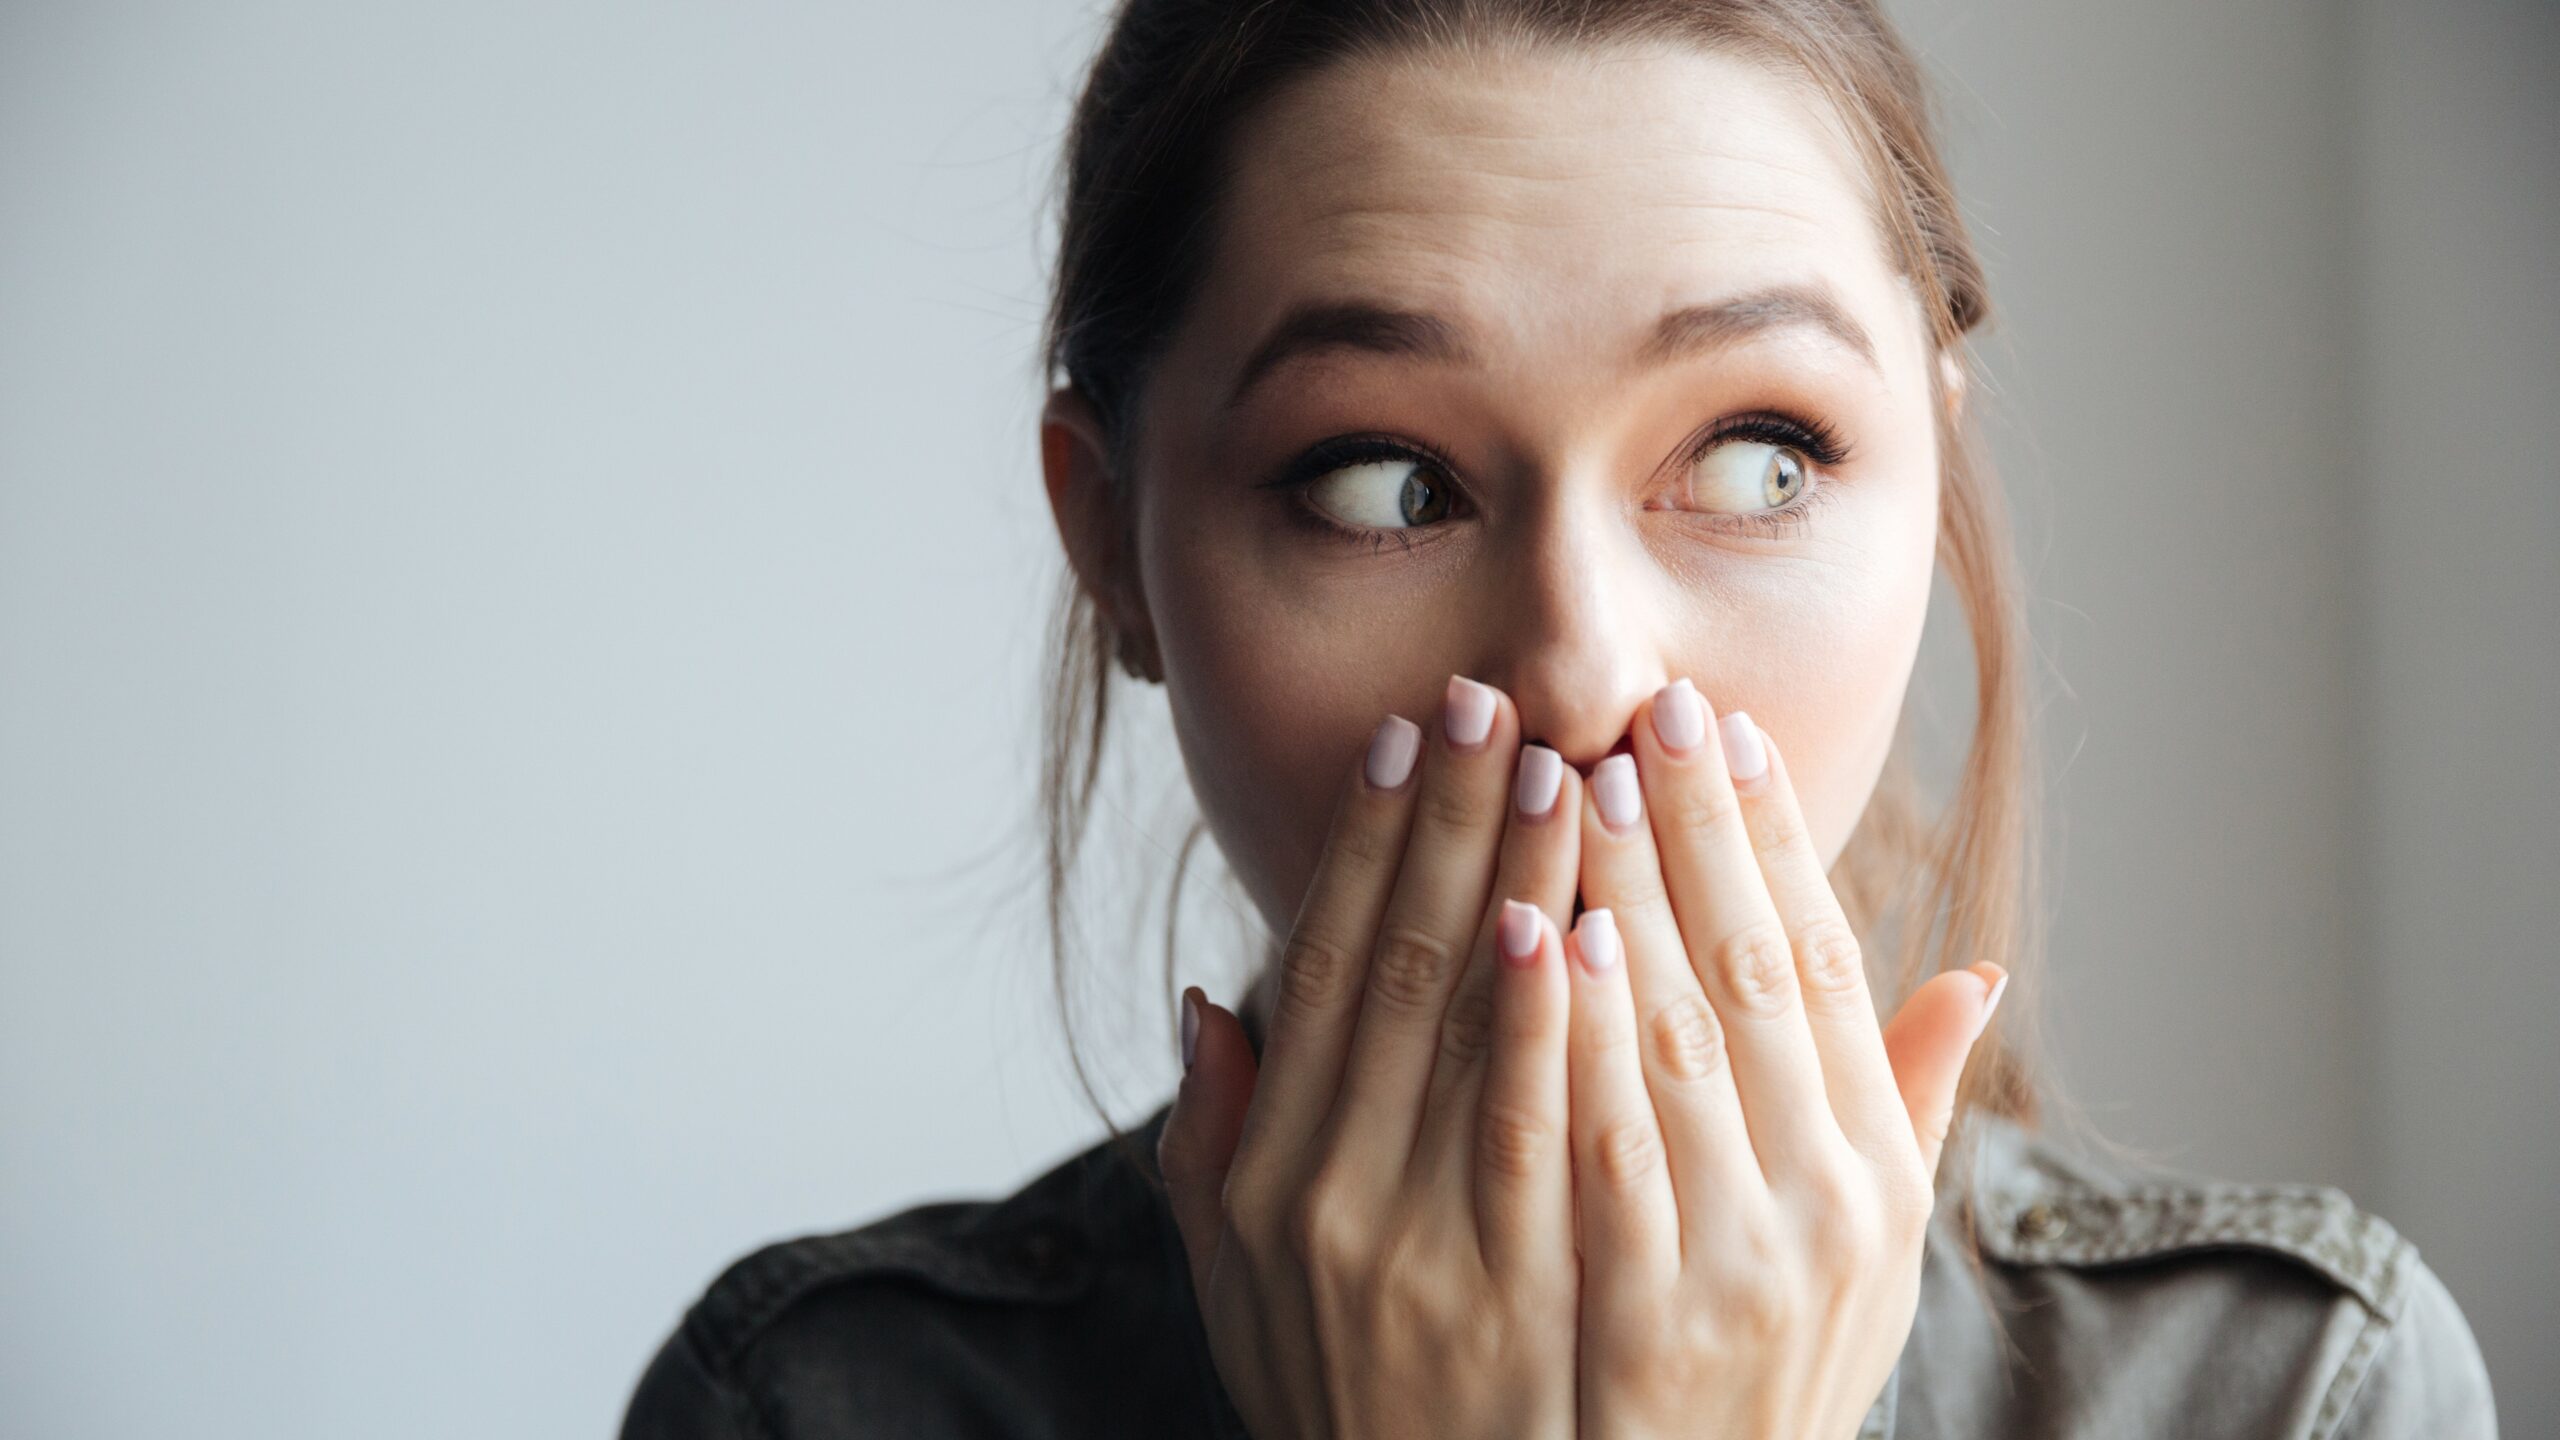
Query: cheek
[(1272, 703), (1822, 661), (1273, 696)]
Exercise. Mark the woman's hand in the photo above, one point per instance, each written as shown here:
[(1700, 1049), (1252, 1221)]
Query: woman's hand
[(1379, 1220), (1754, 1157)]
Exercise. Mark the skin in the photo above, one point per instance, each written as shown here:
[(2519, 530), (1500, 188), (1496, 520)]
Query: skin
[(1399, 1155), (1555, 205)]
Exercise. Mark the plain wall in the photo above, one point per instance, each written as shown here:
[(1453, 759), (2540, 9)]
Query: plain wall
[(522, 583)]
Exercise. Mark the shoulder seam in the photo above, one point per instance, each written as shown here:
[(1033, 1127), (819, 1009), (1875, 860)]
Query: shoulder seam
[(2070, 1222), (2340, 1395), (734, 1400)]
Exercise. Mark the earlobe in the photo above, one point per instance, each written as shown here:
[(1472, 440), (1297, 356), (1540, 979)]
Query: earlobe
[(1951, 379), (1075, 466)]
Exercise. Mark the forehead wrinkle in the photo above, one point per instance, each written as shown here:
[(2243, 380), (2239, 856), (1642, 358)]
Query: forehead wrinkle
[(1437, 199), (1435, 196)]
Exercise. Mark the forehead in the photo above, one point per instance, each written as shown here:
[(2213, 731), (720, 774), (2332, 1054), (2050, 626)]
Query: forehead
[(1546, 196)]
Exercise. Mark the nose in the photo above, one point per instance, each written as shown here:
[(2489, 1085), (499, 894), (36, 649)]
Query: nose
[(1573, 635)]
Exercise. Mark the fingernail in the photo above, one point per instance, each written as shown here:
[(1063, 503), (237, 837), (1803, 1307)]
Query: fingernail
[(1391, 752), (1190, 1027), (1614, 786), (1680, 717), (1519, 932), (1541, 776), (1991, 1001), (1466, 712), (1744, 756), (1596, 936)]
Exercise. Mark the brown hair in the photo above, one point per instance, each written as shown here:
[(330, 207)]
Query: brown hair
[(1141, 172)]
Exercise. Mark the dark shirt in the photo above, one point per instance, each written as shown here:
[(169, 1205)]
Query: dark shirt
[(2113, 1301)]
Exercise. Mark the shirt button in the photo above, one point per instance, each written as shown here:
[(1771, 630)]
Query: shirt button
[(2041, 1222)]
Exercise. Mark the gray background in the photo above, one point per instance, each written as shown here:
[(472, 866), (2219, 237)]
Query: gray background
[(521, 568)]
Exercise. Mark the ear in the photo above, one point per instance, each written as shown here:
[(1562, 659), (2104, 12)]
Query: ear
[(1951, 377), (1075, 463)]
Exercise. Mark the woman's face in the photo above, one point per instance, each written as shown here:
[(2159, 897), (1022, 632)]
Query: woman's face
[(1598, 377)]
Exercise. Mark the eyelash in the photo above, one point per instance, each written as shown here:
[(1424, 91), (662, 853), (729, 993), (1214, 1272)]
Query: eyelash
[(1816, 440)]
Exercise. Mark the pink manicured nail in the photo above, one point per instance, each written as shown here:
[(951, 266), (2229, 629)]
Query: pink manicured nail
[(1596, 936), (1190, 1028), (1680, 717), (1519, 932), (1466, 712), (1392, 751), (1614, 786), (1541, 776), (1744, 757)]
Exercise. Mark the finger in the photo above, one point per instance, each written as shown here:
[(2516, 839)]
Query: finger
[(1628, 1218), (1520, 1158), (1430, 926), (1736, 941), (1199, 1137), (1928, 1041), (1831, 968), (1681, 1039), (1326, 958), (1538, 866)]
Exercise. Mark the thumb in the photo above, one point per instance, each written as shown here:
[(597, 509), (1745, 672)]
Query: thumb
[(1928, 1041), (1199, 1137)]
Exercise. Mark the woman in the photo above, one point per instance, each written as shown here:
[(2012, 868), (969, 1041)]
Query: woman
[(1520, 437)]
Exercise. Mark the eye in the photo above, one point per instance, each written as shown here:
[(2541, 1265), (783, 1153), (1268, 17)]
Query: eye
[(1735, 476), (1392, 493)]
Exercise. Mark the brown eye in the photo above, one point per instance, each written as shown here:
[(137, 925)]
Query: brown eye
[(1391, 494), (1740, 476)]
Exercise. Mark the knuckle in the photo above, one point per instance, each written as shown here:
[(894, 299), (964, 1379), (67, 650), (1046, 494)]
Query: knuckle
[(1452, 810), (1761, 1304), (1756, 968), (1410, 967), (1317, 1231), (1514, 1141), (1626, 1153), (1782, 837), (1316, 974), (1466, 1033), (1687, 1039), (1610, 1043), (1841, 1199), (1640, 901), (1703, 807), (1364, 841), (1849, 1188), (1835, 965)]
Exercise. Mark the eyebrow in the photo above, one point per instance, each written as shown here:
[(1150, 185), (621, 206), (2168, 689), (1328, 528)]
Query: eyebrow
[(1320, 326)]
